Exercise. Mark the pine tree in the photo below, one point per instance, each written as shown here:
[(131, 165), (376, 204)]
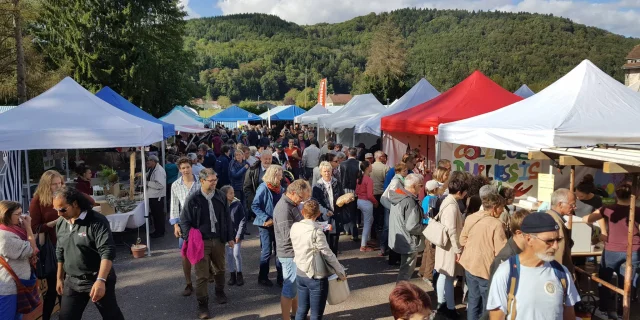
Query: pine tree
[(135, 47)]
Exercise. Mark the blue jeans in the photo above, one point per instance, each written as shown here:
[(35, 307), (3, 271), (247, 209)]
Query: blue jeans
[(384, 238), (477, 296), (613, 261), (268, 248), (312, 294), (444, 289)]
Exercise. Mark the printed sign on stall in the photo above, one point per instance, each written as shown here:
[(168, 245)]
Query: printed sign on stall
[(509, 168)]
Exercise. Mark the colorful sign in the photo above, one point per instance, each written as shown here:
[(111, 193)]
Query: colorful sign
[(509, 168), (322, 92)]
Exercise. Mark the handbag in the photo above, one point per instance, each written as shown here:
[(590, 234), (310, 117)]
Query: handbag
[(47, 263), (27, 290), (319, 266), (436, 232)]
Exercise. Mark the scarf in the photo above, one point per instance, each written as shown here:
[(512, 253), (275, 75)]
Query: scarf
[(212, 212), (274, 189), (19, 231)]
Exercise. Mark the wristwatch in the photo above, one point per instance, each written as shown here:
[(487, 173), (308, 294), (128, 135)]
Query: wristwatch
[(102, 279)]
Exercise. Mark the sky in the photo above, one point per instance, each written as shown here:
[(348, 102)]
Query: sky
[(618, 16)]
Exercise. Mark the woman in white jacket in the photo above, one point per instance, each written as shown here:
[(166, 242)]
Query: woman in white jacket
[(446, 262), (307, 238), (17, 248)]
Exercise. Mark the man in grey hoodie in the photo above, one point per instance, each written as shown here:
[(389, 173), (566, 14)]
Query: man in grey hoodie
[(405, 225)]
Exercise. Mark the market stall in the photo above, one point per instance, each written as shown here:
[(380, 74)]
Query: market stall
[(232, 116), (311, 117), (475, 95), (70, 117), (343, 122), (283, 113), (184, 120)]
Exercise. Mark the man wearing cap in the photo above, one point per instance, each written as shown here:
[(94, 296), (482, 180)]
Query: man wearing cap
[(369, 157), (563, 202), (544, 289), (156, 189)]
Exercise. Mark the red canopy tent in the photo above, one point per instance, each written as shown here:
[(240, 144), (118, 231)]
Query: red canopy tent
[(475, 95)]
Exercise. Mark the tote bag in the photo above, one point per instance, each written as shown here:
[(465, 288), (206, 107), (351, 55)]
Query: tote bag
[(436, 232), (27, 290)]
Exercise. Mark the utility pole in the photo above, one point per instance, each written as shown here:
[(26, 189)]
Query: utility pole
[(306, 96), (20, 68)]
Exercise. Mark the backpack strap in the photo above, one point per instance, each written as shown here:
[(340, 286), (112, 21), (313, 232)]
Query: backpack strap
[(562, 277), (512, 285)]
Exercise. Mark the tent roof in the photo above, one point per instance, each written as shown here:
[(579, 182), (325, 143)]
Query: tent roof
[(475, 95), (179, 117), (265, 115), (422, 92), (67, 116), (318, 109), (6, 108), (524, 92), (583, 108), (235, 113), (288, 113), (360, 108), (116, 100)]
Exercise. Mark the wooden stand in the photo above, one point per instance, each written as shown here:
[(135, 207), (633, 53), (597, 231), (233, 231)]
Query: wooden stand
[(132, 174)]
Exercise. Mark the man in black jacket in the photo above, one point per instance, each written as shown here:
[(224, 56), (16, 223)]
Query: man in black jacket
[(253, 177), (208, 211), (349, 172), (253, 137)]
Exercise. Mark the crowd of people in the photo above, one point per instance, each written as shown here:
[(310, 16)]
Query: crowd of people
[(302, 196)]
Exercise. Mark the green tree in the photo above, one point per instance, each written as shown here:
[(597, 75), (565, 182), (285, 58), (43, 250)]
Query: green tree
[(270, 86), (386, 64), (135, 47), (290, 96), (306, 98), (224, 101)]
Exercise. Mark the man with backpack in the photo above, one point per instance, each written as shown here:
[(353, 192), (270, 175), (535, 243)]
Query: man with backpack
[(532, 285)]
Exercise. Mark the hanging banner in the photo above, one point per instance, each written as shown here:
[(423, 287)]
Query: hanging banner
[(322, 92), (508, 168)]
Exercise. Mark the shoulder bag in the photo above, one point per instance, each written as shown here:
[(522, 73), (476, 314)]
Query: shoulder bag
[(319, 266), (47, 263), (436, 232), (27, 290)]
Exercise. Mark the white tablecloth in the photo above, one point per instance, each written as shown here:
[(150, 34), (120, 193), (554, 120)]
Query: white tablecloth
[(134, 219)]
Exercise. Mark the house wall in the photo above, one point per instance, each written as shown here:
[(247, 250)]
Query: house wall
[(631, 76)]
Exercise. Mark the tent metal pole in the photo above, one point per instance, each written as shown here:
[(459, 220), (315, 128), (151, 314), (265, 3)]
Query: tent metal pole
[(269, 116), (26, 167), (164, 166), (438, 151), (66, 152), (146, 198), (353, 145)]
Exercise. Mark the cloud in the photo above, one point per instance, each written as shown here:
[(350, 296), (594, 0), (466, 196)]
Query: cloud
[(190, 12), (618, 16)]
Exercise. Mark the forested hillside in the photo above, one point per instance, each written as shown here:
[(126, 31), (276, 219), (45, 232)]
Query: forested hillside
[(250, 55)]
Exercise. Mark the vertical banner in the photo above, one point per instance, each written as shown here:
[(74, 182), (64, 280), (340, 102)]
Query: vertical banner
[(322, 92)]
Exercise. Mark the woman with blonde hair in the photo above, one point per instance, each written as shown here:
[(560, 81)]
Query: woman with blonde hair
[(43, 220), (267, 195), (17, 248)]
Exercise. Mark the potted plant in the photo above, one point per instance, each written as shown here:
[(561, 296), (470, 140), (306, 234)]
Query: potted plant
[(109, 178)]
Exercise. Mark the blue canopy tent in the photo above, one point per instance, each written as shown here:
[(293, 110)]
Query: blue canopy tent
[(230, 117), (113, 98), (524, 92), (288, 113)]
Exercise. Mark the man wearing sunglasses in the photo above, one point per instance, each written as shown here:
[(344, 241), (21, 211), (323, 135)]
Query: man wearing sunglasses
[(532, 285), (563, 203)]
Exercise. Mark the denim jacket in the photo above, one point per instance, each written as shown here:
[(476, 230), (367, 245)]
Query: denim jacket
[(263, 204)]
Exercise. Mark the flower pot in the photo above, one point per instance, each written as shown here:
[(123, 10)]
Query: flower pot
[(138, 250)]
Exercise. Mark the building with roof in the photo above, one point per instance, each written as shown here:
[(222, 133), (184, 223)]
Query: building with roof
[(338, 99), (632, 67)]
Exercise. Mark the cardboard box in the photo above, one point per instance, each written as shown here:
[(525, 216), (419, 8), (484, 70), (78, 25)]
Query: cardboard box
[(114, 190), (105, 208)]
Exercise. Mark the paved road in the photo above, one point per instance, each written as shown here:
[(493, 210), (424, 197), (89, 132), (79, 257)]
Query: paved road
[(150, 288)]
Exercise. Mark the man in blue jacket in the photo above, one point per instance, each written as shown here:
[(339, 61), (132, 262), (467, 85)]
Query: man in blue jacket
[(222, 166)]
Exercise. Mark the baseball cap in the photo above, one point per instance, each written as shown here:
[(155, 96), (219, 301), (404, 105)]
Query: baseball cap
[(368, 155), (539, 222), (432, 185)]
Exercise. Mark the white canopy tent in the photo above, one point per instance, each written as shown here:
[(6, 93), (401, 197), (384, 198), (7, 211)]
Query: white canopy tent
[(583, 108), (524, 92), (183, 122), (265, 115), (421, 92), (67, 116), (318, 111), (343, 122)]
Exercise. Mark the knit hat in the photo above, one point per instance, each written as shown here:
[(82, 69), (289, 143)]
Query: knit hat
[(539, 222), (432, 185)]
